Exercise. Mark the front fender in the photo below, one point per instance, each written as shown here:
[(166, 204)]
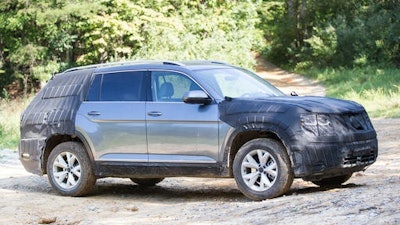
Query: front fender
[(239, 135)]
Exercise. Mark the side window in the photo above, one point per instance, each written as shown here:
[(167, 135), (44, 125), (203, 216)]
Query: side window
[(94, 90), (122, 86), (170, 86)]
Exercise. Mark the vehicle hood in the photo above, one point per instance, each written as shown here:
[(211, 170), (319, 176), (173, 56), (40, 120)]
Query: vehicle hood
[(318, 104), (284, 103)]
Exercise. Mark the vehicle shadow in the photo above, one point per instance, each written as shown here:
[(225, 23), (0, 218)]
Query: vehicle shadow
[(174, 189), (315, 189)]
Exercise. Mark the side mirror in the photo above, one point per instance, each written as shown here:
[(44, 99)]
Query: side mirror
[(196, 97)]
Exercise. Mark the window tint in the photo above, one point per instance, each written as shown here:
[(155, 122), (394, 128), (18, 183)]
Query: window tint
[(123, 86), (171, 86), (94, 91)]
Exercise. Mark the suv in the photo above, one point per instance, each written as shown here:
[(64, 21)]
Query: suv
[(150, 120)]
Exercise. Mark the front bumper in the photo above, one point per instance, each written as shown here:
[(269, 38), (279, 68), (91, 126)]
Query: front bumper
[(318, 160)]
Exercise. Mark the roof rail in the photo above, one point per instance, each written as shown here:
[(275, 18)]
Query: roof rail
[(199, 62), (121, 63), (174, 63), (220, 62)]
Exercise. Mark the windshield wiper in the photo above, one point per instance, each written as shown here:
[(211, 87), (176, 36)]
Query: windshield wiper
[(227, 98)]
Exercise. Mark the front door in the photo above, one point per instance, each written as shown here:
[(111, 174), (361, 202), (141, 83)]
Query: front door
[(177, 132)]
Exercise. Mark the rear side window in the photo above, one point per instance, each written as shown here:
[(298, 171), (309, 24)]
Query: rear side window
[(94, 91), (122, 86)]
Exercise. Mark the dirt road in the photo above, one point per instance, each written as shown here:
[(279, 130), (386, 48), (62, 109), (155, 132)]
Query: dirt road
[(370, 197)]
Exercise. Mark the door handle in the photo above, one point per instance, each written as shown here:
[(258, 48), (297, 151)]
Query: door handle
[(154, 113), (94, 113)]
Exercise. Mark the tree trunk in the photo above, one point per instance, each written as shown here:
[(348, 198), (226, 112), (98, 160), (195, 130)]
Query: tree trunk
[(25, 84), (297, 13)]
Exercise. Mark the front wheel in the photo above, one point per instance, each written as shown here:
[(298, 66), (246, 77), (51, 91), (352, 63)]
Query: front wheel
[(69, 169), (262, 169)]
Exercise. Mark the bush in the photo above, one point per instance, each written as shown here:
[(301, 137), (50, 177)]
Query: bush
[(10, 112), (336, 33), (211, 33)]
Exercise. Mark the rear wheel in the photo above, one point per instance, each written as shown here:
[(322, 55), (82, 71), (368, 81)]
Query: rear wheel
[(333, 181), (262, 169), (147, 181), (69, 169)]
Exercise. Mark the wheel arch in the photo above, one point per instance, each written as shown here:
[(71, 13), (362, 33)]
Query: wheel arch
[(57, 139), (241, 136)]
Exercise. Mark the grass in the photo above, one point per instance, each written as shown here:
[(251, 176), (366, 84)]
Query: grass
[(10, 112), (378, 90)]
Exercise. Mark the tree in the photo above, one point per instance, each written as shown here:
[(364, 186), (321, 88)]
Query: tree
[(336, 33), (24, 59)]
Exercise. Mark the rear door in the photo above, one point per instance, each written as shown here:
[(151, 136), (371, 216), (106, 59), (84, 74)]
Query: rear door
[(179, 133), (113, 117)]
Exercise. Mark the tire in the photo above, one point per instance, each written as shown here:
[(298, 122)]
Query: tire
[(148, 182), (69, 170), (262, 169), (333, 181)]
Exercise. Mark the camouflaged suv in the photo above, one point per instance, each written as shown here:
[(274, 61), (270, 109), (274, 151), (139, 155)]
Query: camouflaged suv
[(150, 120)]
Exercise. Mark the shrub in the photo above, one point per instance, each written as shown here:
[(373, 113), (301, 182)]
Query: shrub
[(9, 122)]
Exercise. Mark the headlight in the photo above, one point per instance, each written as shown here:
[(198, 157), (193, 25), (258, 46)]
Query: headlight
[(317, 124), (309, 123), (308, 119)]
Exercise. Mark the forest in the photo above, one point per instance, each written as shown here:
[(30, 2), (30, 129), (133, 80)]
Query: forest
[(41, 37)]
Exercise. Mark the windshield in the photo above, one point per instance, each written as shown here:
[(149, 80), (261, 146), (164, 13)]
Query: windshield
[(236, 83)]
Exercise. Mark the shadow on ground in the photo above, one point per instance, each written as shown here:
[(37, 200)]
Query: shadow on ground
[(176, 189)]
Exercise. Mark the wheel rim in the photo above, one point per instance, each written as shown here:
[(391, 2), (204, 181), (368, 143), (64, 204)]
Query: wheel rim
[(66, 170), (259, 170)]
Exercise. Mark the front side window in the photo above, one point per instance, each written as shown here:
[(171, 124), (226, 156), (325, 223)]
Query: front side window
[(121, 86), (170, 86)]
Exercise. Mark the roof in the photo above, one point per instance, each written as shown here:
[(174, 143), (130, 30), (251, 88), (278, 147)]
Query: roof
[(145, 63)]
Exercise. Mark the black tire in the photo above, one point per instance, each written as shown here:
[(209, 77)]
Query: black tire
[(267, 179), (333, 181), (69, 169), (148, 182)]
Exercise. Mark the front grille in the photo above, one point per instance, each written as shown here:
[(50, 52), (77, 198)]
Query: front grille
[(359, 159), (360, 153)]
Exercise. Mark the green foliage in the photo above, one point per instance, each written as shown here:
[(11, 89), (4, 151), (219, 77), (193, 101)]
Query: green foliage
[(297, 32), (9, 122), (375, 88), (336, 33), (212, 33), (26, 57), (274, 25), (35, 33), (44, 71), (39, 36)]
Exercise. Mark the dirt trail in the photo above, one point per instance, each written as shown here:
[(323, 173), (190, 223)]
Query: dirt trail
[(370, 197), (288, 82)]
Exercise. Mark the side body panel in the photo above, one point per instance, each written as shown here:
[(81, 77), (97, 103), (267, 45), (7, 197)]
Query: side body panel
[(115, 131)]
